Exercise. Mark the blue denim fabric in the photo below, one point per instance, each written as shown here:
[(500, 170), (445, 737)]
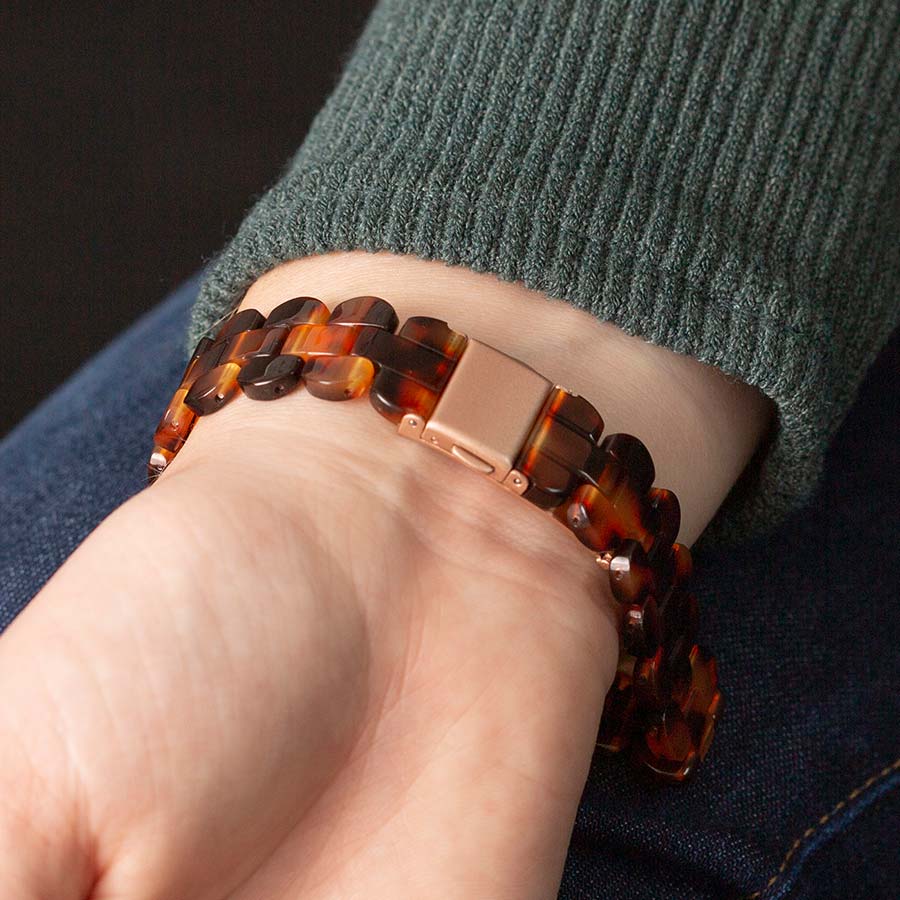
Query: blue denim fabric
[(799, 796)]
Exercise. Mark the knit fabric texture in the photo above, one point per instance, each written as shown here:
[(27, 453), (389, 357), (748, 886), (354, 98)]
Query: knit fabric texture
[(720, 178)]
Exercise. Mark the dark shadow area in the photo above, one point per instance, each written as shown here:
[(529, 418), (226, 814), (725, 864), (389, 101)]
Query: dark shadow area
[(135, 137)]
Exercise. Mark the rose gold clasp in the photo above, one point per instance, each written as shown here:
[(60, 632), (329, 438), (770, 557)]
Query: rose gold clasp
[(485, 413)]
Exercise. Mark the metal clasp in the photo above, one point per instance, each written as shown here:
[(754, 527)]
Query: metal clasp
[(485, 413)]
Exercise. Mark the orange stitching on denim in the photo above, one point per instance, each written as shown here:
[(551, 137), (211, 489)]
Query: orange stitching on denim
[(856, 792)]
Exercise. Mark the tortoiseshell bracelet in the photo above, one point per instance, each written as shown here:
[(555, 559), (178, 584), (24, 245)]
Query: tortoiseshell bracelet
[(499, 417)]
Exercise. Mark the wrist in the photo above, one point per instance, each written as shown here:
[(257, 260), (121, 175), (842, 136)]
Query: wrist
[(339, 466), (682, 410), (333, 478)]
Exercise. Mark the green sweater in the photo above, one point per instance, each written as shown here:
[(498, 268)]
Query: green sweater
[(720, 178)]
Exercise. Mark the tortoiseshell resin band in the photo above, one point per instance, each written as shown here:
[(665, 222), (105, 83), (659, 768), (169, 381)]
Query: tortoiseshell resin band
[(537, 439)]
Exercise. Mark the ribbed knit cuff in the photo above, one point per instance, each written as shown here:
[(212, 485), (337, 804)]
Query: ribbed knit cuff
[(718, 178)]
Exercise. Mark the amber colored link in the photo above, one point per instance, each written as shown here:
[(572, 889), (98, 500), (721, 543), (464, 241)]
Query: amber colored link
[(273, 342), (176, 423), (668, 513), (246, 345), (676, 663), (393, 396), (634, 458), (203, 345), (576, 413), (413, 366), (297, 311), (434, 333), (671, 565), (702, 707), (365, 311), (674, 745), (580, 513), (339, 378), (608, 474), (210, 392), (668, 748), (683, 563), (554, 436), (332, 370), (201, 348), (641, 627), (680, 617), (602, 523), (244, 320), (242, 346), (554, 454), (414, 359), (617, 721), (549, 482), (663, 561), (207, 360), (268, 378), (651, 681), (699, 695), (406, 358), (551, 458), (296, 337), (326, 340), (679, 737), (613, 477)]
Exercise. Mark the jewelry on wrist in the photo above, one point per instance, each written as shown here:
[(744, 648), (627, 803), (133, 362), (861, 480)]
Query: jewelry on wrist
[(500, 417)]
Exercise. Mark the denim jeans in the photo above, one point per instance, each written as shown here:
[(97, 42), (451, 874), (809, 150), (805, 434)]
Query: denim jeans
[(799, 794)]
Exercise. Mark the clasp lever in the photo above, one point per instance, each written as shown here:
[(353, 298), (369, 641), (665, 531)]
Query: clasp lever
[(485, 413)]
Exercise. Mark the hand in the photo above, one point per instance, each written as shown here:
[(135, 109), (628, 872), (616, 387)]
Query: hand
[(314, 660), (342, 681)]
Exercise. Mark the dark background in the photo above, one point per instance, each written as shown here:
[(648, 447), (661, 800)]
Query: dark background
[(134, 138)]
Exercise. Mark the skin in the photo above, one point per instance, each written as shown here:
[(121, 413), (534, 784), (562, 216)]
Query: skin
[(316, 660)]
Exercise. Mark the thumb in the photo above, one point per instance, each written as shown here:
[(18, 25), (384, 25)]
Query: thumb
[(45, 854)]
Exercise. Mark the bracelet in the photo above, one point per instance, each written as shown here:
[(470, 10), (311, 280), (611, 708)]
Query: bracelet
[(500, 417)]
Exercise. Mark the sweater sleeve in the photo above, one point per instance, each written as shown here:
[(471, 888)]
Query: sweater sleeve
[(719, 178)]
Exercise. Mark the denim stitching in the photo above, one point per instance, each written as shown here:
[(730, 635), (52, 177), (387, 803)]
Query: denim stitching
[(853, 795)]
